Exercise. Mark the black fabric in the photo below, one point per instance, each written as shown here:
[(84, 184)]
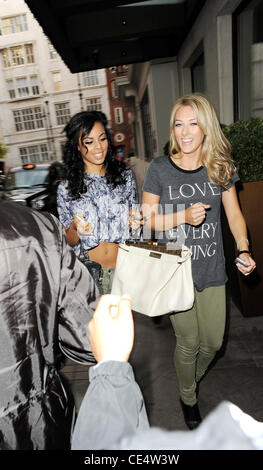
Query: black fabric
[(47, 299), (94, 268)]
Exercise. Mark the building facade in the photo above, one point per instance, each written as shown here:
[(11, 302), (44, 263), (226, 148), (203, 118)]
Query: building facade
[(120, 117), (38, 93), (221, 57)]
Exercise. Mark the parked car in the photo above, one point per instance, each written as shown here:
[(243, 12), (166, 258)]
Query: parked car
[(34, 185)]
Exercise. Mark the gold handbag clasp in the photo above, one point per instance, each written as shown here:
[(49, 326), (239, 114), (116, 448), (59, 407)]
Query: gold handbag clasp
[(154, 254)]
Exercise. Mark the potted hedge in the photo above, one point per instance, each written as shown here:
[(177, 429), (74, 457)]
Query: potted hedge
[(246, 138)]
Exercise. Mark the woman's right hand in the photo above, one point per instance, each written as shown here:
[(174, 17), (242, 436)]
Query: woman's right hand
[(196, 214), (82, 226)]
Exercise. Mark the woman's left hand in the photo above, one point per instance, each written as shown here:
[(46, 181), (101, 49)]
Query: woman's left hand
[(246, 270)]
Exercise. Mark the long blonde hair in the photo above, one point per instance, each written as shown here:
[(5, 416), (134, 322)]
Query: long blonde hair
[(216, 149)]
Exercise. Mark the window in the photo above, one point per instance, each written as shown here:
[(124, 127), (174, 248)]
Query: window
[(13, 24), (10, 88), (118, 115), (34, 154), (90, 78), (52, 51), (34, 85), (23, 155), (6, 58), (18, 121), (23, 87), (93, 104), (28, 119), (57, 81), (248, 60), (62, 113), (18, 55), (29, 53), (114, 89)]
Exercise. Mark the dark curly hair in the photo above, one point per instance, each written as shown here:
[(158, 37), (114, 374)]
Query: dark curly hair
[(79, 126)]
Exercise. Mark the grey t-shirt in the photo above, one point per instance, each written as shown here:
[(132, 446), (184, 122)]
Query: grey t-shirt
[(178, 189)]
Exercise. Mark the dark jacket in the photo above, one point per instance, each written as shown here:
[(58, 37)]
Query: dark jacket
[(47, 298)]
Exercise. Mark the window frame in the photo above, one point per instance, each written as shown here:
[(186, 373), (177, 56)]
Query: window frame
[(97, 105), (238, 105), (90, 78), (118, 115), (41, 150), (57, 83), (28, 119), (15, 56), (20, 25), (52, 51), (32, 84), (62, 118)]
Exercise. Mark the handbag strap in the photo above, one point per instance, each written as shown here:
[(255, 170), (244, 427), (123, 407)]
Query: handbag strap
[(160, 247)]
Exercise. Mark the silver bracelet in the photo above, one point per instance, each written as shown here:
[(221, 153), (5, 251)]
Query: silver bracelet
[(240, 240)]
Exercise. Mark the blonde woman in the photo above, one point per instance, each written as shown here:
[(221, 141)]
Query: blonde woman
[(182, 196)]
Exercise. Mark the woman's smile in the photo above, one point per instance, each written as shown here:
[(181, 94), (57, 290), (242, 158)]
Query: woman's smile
[(93, 148), (188, 134)]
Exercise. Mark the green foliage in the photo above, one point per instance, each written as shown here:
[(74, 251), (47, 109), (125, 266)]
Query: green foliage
[(246, 138), (3, 150)]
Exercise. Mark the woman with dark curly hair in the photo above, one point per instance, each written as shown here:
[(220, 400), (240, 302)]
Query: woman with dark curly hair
[(95, 198)]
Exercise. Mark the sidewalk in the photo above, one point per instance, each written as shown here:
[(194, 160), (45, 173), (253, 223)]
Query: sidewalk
[(237, 374)]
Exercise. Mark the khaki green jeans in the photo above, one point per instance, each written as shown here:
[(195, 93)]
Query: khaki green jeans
[(199, 335)]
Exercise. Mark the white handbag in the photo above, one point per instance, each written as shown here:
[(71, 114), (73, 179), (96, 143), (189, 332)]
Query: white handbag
[(158, 280)]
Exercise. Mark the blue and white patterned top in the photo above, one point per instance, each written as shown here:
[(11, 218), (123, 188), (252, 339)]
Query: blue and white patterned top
[(105, 207)]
